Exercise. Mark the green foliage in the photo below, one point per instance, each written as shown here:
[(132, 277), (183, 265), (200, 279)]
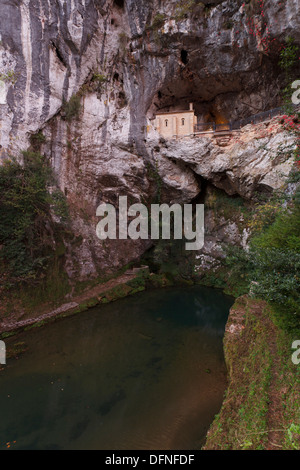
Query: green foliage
[(99, 78), (25, 217), (71, 109), (283, 234), (183, 8), (293, 436), (240, 269), (264, 216), (9, 77), (271, 268), (225, 205), (139, 282), (50, 287), (60, 206), (169, 257), (158, 21), (36, 140), (93, 85), (288, 55), (277, 259), (288, 58), (294, 176), (261, 373), (277, 281)]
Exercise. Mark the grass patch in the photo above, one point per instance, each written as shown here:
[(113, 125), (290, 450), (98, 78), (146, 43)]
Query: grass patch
[(258, 357), (71, 109), (230, 207)]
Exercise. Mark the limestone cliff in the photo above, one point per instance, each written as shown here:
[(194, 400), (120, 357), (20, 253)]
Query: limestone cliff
[(123, 60)]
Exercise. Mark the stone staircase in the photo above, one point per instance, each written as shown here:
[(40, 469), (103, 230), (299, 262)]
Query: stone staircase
[(222, 138)]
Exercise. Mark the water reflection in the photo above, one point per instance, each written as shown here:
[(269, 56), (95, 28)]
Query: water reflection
[(146, 372)]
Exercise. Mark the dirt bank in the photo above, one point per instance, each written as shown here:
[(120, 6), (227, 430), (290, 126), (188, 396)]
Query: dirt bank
[(261, 405), (126, 284)]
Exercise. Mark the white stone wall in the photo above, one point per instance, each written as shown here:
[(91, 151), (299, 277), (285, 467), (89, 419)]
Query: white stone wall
[(175, 124)]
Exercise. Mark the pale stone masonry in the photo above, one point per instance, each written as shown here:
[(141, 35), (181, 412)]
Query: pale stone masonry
[(176, 123)]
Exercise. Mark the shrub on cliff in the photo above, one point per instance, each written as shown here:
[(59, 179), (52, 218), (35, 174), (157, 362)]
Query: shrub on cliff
[(284, 233), (277, 259), (271, 268), (26, 227), (71, 109), (276, 280)]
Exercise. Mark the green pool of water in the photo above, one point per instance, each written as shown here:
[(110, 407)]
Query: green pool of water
[(146, 372)]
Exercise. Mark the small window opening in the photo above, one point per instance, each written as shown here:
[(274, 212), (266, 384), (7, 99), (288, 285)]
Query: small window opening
[(184, 56), (119, 3)]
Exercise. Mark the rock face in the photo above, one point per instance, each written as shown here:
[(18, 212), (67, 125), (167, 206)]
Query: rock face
[(247, 163), (124, 60)]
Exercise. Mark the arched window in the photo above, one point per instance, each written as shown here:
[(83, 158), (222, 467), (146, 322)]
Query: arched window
[(166, 121), (182, 121)]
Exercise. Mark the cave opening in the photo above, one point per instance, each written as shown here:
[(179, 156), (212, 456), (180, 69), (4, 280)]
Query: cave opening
[(184, 56), (119, 3), (219, 98)]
